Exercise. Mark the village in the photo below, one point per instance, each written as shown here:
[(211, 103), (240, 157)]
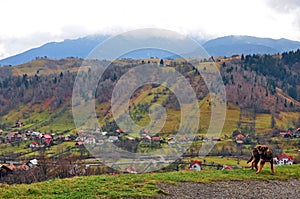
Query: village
[(43, 142)]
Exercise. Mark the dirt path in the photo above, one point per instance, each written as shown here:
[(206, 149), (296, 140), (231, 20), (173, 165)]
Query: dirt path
[(234, 189)]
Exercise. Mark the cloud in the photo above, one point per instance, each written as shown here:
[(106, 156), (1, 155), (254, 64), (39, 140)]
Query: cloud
[(290, 8), (284, 6)]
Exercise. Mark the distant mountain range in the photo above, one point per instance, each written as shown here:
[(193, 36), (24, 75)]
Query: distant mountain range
[(223, 46), (230, 45)]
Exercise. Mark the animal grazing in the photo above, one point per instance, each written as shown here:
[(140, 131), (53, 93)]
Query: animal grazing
[(259, 156)]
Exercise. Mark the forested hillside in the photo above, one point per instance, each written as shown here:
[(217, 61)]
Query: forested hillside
[(266, 83)]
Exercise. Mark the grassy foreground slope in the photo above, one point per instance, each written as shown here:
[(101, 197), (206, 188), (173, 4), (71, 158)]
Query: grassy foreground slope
[(135, 185)]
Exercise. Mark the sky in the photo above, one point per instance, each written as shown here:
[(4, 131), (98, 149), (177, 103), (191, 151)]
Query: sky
[(32, 23)]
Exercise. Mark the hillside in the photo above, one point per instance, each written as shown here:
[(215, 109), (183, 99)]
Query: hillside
[(259, 104), (44, 86)]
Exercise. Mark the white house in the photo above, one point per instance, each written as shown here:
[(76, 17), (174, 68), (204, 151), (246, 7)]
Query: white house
[(196, 165), (113, 138), (90, 140), (284, 159)]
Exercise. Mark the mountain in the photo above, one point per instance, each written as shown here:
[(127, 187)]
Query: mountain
[(230, 45), (223, 46), (58, 50)]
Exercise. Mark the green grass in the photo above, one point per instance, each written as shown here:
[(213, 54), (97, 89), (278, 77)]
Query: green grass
[(5, 148), (136, 185), (224, 160), (231, 120), (286, 120), (42, 119), (263, 122)]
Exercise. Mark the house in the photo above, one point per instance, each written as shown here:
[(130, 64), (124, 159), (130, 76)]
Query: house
[(216, 138), (22, 136), (90, 140), (130, 138), (286, 134), (196, 165), (113, 138), (297, 133), (47, 138), (36, 134), (121, 131), (171, 140), (130, 169), (5, 170), (144, 132), (11, 136), (240, 139), (183, 140), (100, 142), (227, 167), (147, 137), (80, 131), (81, 137), (79, 144), (18, 124), (33, 145), (104, 133), (155, 139), (32, 163), (284, 159)]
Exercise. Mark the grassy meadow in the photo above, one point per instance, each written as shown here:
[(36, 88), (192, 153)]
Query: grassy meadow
[(136, 185)]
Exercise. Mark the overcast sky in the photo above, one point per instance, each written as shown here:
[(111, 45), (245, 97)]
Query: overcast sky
[(31, 23)]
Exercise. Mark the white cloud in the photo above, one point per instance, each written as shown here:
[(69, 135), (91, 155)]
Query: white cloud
[(283, 6), (288, 8), (30, 23)]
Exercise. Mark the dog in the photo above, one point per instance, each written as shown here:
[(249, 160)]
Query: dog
[(259, 156), (255, 157)]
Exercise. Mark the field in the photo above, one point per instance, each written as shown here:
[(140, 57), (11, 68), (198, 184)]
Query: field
[(136, 185)]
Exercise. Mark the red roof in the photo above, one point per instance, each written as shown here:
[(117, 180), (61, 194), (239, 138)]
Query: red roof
[(148, 137), (120, 131), (146, 131), (130, 138), (227, 167), (286, 133), (156, 138), (48, 139), (240, 136), (196, 162), (289, 157), (47, 136), (79, 143)]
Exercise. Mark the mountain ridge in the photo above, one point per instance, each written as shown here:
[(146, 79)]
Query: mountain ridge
[(221, 46)]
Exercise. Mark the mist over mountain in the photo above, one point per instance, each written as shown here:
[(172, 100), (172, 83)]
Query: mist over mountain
[(223, 46), (230, 45)]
